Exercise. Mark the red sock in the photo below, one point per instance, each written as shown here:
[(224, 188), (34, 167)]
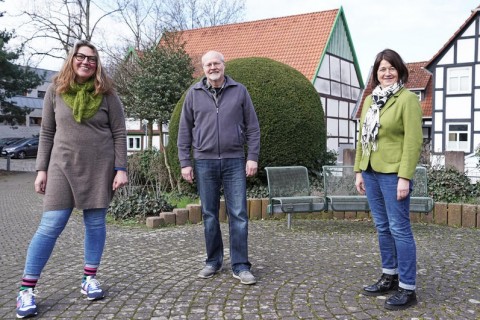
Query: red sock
[(28, 283), (89, 271)]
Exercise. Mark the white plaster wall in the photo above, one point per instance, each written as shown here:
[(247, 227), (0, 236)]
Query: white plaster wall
[(439, 78), (438, 100), (465, 50), (438, 138), (438, 121), (447, 58), (458, 108)]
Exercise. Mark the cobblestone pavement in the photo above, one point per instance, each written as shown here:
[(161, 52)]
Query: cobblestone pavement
[(314, 271)]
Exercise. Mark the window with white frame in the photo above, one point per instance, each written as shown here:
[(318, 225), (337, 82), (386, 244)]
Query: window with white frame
[(419, 94), (458, 137), (459, 80), (133, 143)]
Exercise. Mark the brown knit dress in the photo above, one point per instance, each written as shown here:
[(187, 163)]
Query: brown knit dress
[(80, 158)]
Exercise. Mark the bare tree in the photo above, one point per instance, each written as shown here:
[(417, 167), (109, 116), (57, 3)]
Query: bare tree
[(219, 12), (147, 19), (140, 17), (190, 14), (59, 23), (62, 22)]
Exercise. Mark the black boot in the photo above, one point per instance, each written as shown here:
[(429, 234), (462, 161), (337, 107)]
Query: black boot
[(402, 299), (386, 283)]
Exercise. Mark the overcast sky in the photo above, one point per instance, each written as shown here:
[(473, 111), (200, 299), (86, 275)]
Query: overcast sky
[(417, 29)]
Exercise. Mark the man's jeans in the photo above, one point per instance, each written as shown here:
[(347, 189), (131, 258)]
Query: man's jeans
[(392, 220), (50, 228), (210, 175)]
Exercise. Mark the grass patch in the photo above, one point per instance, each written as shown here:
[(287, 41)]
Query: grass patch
[(125, 222), (181, 201)]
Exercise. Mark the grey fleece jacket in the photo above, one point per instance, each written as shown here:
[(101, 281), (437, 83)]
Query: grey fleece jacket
[(218, 128)]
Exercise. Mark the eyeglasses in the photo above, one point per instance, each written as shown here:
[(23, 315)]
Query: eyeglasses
[(81, 57), (212, 65)]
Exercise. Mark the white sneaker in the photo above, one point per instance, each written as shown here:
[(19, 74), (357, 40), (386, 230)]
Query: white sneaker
[(91, 288), (245, 277), (208, 271), (26, 306)]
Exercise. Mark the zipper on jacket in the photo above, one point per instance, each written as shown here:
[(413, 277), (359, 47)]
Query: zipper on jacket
[(218, 131), (215, 101)]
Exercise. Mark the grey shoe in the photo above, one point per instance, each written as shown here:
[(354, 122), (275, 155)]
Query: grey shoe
[(245, 277), (208, 271)]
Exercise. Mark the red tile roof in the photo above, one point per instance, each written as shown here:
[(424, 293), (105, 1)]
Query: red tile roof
[(418, 79), (298, 41)]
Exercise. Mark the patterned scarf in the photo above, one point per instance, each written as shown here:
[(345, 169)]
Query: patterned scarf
[(372, 118), (81, 98)]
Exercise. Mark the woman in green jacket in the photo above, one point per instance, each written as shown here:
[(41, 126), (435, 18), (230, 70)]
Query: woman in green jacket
[(390, 141)]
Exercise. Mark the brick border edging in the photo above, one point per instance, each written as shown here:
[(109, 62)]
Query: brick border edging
[(449, 214)]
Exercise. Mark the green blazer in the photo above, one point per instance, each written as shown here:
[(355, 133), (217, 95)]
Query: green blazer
[(400, 136)]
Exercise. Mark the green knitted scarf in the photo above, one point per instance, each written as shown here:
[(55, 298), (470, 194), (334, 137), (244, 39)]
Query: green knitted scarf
[(82, 100)]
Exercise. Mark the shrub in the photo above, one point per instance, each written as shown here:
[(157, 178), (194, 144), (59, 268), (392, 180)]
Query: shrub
[(291, 118), (450, 185), (147, 168), (257, 191), (144, 195), (477, 154), (138, 206)]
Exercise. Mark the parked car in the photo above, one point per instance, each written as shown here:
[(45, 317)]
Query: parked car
[(8, 141), (27, 147)]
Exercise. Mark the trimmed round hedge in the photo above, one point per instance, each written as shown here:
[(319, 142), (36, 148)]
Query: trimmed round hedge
[(292, 125)]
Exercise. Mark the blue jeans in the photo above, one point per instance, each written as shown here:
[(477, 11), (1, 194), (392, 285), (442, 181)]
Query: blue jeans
[(392, 221), (50, 228), (210, 176)]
